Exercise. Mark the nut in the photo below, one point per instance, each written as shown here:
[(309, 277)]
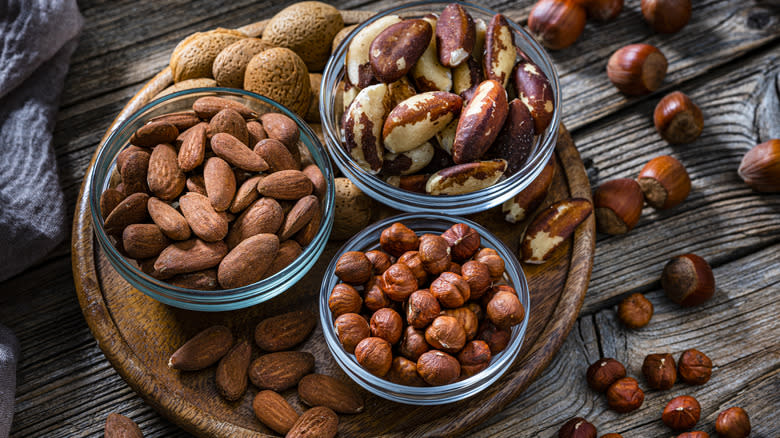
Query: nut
[(603, 373), (428, 73), (637, 69), (688, 280), (551, 227), (398, 282), (625, 395), (229, 121), (219, 181), (496, 338), (480, 122), (603, 10), (612, 435), (467, 318), (375, 355), (677, 119), (695, 367), (464, 241), (434, 253), (231, 377), (202, 350), (733, 423), (760, 167), (193, 147), (666, 16), (577, 427), (451, 290), (421, 308), (397, 48), (319, 421), (204, 221), (324, 390), (477, 275), (386, 323), (659, 370), (516, 139), (117, 425), (505, 310), (534, 90), (681, 413), (446, 333), (465, 178), (380, 261), (438, 368), (164, 177), (285, 331), (500, 51), (413, 344), (454, 268), (404, 372), (529, 199), (455, 35), (273, 411), (397, 239), (154, 133), (635, 311), (557, 23), (408, 162), (664, 182), (363, 123), (474, 358), (354, 267), (358, 63), (417, 119), (618, 205), (374, 297), (351, 328), (492, 260), (344, 299), (694, 434), (247, 262), (414, 262)]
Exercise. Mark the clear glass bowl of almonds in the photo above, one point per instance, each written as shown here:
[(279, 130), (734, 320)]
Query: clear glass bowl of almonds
[(440, 107), (424, 340), (212, 199)]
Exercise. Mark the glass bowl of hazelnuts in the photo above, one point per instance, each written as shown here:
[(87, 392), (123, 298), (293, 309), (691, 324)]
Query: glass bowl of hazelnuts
[(424, 309)]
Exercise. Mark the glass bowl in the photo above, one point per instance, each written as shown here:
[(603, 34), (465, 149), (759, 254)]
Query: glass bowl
[(422, 223), (331, 114), (219, 300)]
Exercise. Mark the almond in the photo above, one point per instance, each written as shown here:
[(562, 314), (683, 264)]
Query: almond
[(247, 262), (358, 63), (134, 172), (286, 185), (530, 198), (231, 372), (516, 139), (322, 390), (280, 371), (203, 350), (310, 230), (465, 178), (166, 180), (246, 194), (480, 122), (256, 132), (204, 221), (428, 73), (237, 153), (142, 241), (455, 35), (230, 122), (197, 184), (289, 250), (190, 256), (500, 51), (274, 411), (193, 147), (182, 120), (119, 426), (121, 157), (317, 422), (131, 210), (417, 119), (284, 331), (280, 74), (263, 216), (300, 215), (194, 56), (276, 155), (397, 48), (154, 133), (208, 106), (534, 90), (219, 182), (230, 64), (363, 123), (147, 267), (551, 227), (317, 179), (280, 127), (201, 280), (109, 199)]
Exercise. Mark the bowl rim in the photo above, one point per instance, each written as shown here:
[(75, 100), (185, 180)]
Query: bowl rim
[(427, 395), (196, 299), (412, 201)]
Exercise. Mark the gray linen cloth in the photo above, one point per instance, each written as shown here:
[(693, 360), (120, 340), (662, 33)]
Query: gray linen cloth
[(37, 38)]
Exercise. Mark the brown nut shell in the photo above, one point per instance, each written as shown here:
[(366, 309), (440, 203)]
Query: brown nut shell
[(666, 16), (637, 69), (760, 167), (664, 182), (557, 23), (618, 204), (688, 280), (678, 119)]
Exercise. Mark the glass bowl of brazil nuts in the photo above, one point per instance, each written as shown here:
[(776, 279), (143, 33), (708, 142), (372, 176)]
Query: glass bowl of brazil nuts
[(440, 107), (212, 199), (418, 332)]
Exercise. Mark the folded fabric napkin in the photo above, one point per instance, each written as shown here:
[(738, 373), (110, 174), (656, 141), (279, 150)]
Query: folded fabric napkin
[(37, 38)]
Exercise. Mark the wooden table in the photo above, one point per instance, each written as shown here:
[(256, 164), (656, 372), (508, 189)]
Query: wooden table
[(727, 59)]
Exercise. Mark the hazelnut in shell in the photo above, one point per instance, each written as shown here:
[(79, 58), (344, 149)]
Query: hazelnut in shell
[(659, 370), (666, 16), (557, 23), (577, 427), (603, 10), (438, 368), (625, 395), (637, 69), (375, 355), (664, 182), (603, 373), (733, 423), (612, 435), (635, 311), (618, 205), (688, 280), (694, 367), (681, 413), (760, 167), (677, 119)]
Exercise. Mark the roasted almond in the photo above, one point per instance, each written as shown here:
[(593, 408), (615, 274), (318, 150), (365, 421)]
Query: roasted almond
[(219, 182), (256, 132), (134, 172), (285, 185), (121, 157), (248, 261), (417, 119), (317, 179), (229, 121), (455, 35), (190, 256), (208, 106), (465, 178), (204, 221), (263, 216), (516, 139), (274, 411), (182, 120), (280, 127), (284, 331), (109, 199), (480, 122), (246, 194), (363, 123), (276, 155), (500, 51), (232, 371), (280, 371), (237, 153), (119, 426), (529, 199), (154, 133), (310, 230), (197, 184), (322, 390), (317, 422), (395, 50), (534, 90), (131, 210), (193, 147), (201, 280), (300, 215), (166, 180), (289, 250), (203, 350), (142, 241), (551, 227)]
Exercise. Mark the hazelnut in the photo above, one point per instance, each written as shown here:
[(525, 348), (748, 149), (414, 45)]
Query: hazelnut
[(354, 267), (733, 423), (625, 395), (664, 182), (386, 323), (413, 344), (694, 434), (464, 241), (688, 280), (374, 297), (618, 205), (477, 276), (677, 119), (505, 310), (681, 412), (454, 268), (476, 309), (557, 23), (438, 368), (435, 253), (603, 373), (467, 318), (603, 10), (492, 260), (344, 299), (375, 355), (612, 435), (577, 428), (496, 338), (446, 333), (666, 16), (414, 262), (635, 311), (398, 282), (397, 239), (351, 328), (474, 358), (760, 167), (659, 370), (637, 69), (380, 260), (404, 372), (695, 367), (451, 290), (421, 308)]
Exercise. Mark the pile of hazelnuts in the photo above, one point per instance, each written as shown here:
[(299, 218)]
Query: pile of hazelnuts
[(458, 311)]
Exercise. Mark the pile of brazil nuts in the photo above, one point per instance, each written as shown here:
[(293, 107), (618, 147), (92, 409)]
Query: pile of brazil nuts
[(444, 104), (213, 197), (458, 310)]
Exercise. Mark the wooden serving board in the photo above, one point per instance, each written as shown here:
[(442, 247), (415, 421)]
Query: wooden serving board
[(137, 334)]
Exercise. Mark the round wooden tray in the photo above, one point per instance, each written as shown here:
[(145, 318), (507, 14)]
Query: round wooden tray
[(138, 334)]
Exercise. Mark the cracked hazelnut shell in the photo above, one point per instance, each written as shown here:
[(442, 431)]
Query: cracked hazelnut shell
[(688, 280), (664, 182), (681, 413), (677, 119)]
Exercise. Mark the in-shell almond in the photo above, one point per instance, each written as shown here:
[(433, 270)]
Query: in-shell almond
[(417, 119), (166, 180), (263, 216), (317, 422), (480, 122), (131, 210), (235, 152), (282, 332), (286, 185), (322, 390), (231, 372), (248, 261), (230, 64), (363, 123), (190, 256), (274, 411), (204, 221), (193, 147), (230, 122), (203, 350), (194, 56), (219, 182), (395, 50), (551, 227), (281, 370), (465, 178), (281, 75)]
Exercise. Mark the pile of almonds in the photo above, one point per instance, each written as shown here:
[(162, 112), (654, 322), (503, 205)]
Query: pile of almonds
[(456, 317), (196, 207), (442, 105)]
